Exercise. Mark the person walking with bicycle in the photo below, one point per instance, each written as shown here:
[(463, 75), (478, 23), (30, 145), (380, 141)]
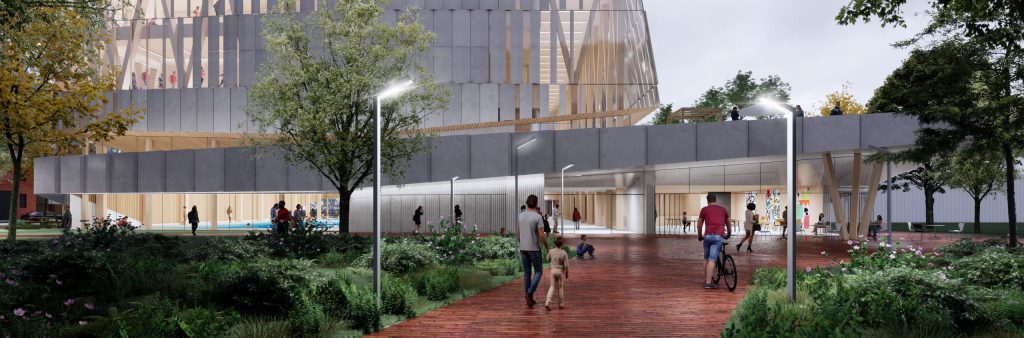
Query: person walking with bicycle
[(715, 216)]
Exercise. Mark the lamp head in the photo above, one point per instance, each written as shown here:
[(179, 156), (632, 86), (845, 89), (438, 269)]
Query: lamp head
[(395, 89), (525, 143), (568, 166)]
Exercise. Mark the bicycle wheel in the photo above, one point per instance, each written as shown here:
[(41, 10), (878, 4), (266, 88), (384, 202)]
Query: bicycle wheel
[(718, 271), (729, 271)]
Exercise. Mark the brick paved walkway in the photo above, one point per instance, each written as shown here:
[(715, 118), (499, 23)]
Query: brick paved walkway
[(637, 286)]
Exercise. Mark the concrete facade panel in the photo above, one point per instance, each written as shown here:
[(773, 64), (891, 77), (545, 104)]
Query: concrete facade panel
[(222, 110), (189, 98), (831, 134), (73, 178), (460, 64), (489, 155), (507, 102), (450, 157), (721, 140), (443, 27), (239, 169), (478, 32), (470, 103), (271, 173), (671, 143), (301, 178), (460, 23), (239, 121), (479, 71), (443, 64), (489, 102), (453, 115), (769, 138), (172, 110), (623, 147), (204, 109), (124, 172), (580, 147), (155, 114), (151, 171), (180, 170), (46, 174), (97, 178), (886, 130), (209, 169)]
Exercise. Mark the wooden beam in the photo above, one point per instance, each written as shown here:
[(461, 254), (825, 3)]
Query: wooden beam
[(833, 193), (869, 203), (855, 197)]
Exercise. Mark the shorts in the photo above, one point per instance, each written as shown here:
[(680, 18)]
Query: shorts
[(712, 247)]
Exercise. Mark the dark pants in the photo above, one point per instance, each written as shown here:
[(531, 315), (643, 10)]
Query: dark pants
[(586, 249), (577, 224), (194, 227), (282, 228), (532, 258)]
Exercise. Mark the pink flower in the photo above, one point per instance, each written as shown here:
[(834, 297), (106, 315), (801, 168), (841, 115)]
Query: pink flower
[(69, 302), (16, 272), (849, 242), (49, 316), (19, 312), (10, 282), (808, 269), (59, 282), (89, 306), (82, 322)]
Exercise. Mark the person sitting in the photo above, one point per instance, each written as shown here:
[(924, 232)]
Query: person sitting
[(584, 248), (875, 226)]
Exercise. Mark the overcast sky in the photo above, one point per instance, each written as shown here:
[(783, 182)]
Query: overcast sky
[(699, 44)]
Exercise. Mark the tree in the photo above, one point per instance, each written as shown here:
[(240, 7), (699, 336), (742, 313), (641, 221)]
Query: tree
[(744, 90), (662, 115), (51, 92), (979, 174), (314, 106), (847, 103), (997, 25), (930, 177)]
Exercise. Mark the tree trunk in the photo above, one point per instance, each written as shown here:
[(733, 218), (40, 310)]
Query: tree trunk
[(12, 224), (344, 214), (1011, 200), (929, 206), (977, 216)]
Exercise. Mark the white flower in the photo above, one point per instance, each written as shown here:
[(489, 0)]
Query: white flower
[(823, 253), (856, 247)]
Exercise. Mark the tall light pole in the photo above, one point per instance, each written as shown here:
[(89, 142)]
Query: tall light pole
[(387, 92), (561, 199), (515, 173), (451, 201), (791, 192), (888, 190)]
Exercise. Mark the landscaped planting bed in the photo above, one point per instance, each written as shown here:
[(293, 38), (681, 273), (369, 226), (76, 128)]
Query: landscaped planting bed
[(110, 281)]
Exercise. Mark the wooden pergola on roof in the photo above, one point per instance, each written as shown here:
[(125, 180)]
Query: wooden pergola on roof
[(695, 113)]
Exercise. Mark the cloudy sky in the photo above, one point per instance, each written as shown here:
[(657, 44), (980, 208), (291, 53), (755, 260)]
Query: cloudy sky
[(699, 44)]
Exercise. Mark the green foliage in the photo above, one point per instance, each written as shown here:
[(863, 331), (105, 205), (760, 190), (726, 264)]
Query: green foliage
[(662, 115), (267, 287), (992, 268), (436, 283), (362, 308), (453, 245), (205, 322), (306, 319), (744, 90), (500, 267), (1004, 308), (397, 297), (259, 328), (497, 247), (962, 248), (319, 105), (331, 296), (228, 249), (307, 240), (402, 256)]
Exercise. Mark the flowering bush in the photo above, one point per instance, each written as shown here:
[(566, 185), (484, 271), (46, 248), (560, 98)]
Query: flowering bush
[(991, 268), (228, 249), (267, 287), (307, 240), (453, 243), (401, 256), (498, 247)]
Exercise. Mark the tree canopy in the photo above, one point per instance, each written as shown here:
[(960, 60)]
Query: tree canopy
[(662, 115), (51, 92), (313, 103), (847, 103), (979, 174), (744, 90)]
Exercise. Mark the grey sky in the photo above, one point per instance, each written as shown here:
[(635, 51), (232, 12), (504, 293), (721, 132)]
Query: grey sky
[(698, 44)]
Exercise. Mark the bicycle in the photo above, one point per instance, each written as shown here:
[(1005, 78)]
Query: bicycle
[(726, 268)]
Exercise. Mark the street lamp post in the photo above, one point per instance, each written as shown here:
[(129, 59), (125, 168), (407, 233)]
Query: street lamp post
[(515, 174), (389, 91), (791, 191), (561, 199), (451, 201), (888, 190)]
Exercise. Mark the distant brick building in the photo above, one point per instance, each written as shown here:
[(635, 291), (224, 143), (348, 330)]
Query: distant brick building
[(26, 200)]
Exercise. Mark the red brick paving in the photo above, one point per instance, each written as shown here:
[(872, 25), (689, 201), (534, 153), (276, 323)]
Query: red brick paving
[(637, 286)]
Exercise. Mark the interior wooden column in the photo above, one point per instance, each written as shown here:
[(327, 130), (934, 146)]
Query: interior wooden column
[(833, 193), (855, 197), (869, 203)]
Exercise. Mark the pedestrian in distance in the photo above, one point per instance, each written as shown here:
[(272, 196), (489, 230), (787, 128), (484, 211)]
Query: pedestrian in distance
[(193, 219), (749, 227), (299, 214), (576, 217), (458, 214), (735, 113), (417, 218), (798, 112), (65, 221), (836, 111), (284, 218)]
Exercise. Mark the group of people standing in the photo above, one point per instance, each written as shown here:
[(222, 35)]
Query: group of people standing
[(798, 111)]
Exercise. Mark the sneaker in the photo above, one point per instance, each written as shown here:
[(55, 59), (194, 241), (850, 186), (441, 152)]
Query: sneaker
[(547, 307), (713, 285), (529, 300), (707, 285)]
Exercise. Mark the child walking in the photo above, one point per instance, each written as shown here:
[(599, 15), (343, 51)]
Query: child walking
[(559, 273)]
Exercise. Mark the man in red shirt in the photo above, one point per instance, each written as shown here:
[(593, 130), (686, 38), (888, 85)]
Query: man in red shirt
[(283, 217), (716, 217)]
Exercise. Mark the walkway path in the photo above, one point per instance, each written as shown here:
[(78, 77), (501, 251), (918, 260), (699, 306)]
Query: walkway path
[(637, 286)]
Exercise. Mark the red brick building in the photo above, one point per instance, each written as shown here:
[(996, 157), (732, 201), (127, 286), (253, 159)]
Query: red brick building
[(26, 200)]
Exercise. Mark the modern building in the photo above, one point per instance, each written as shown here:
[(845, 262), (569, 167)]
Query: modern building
[(567, 78)]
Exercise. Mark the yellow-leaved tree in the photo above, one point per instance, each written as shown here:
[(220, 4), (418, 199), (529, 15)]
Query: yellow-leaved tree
[(52, 89), (847, 103)]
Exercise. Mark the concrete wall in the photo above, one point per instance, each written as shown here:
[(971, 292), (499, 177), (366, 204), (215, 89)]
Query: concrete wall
[(470, 156)]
